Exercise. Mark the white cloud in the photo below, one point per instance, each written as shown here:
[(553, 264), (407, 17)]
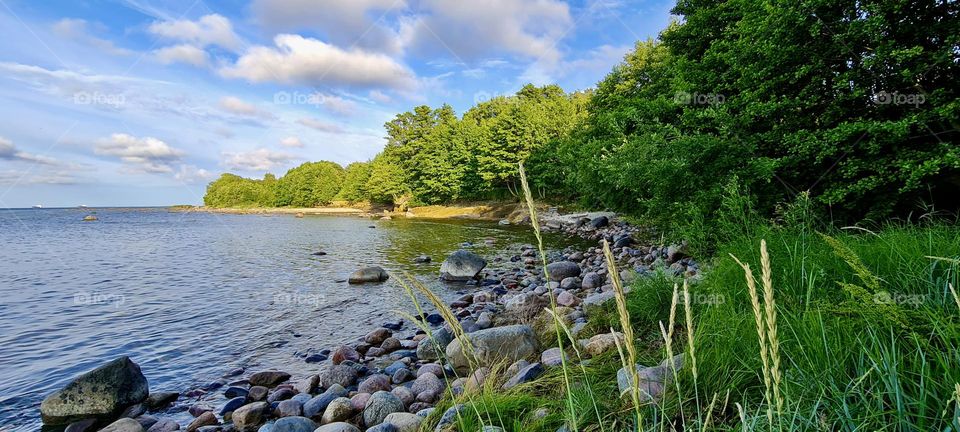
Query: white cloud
[(10, 152), (320, 125), (341, 22), (380, 96), (336, 104), (237, 106), (145, 154), (291, 142), (257, 160), (307, 61), (472, 30), (78, 30), (209, 30), (183, 53), (21, 177), (192, 174)]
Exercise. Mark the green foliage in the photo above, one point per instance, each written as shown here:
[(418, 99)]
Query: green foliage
[(310, 184), (231, 190), (355, 178)]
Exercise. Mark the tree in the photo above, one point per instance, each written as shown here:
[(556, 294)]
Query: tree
[(310, 184), (355, 179), (230, 190)]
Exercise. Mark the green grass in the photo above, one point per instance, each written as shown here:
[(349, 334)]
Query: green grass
[(868, 331)]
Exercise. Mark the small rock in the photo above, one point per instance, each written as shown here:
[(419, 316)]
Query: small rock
[(602, 343), (368, 274), (341, 374), (268, 378), (422, 259), (232, 404), (375, 383), (567, 299), (307, 385), (377, 336), (205, 419), (158, 400), (125, 425), (257, 393), (552, 357), (344, 353), (289, 408), (317, 405), (526, 374), (164, 425)]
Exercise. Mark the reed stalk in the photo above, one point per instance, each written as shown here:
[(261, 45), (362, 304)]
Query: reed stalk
[(630, 359)]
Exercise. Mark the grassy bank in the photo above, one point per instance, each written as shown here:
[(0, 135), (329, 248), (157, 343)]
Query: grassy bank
[(859, 330)]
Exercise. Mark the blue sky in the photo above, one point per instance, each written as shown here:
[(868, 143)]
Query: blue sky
[(137, 102)]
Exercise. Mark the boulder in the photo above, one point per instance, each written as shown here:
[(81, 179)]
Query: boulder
[(427, 348), (294, 424), (268, 378), (318, 405), (652, 380), (205, 419), (164, 425), (101, 393), (591, 280), (341, 374), (379, 406), (340, 409), (337, 427), (404, 422), (495, 345), (344, 353), (158, 400), (125, 425), (289, 408), (561, 270), (461, 266), (249, 417), (599, 222), (526, 374), (601, 343), (368, 274)]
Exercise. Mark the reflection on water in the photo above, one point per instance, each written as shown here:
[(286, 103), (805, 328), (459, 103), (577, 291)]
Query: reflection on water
[(190, 296)]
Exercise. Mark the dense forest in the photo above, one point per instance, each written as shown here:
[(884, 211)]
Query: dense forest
[(853, 105)]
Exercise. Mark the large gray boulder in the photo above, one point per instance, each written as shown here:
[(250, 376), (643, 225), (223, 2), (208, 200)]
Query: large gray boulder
[(101, 393), (368, 274), (379, 406), (495, 345), (461, 266), (561, 270), (249, 417)]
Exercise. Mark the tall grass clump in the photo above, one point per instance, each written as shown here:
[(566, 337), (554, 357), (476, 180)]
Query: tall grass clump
[(531, 208)]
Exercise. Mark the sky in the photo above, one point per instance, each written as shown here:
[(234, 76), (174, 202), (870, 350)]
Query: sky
[(142, 103)]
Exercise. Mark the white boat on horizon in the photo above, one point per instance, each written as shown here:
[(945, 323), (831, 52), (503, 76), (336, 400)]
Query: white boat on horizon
[(38, 206)]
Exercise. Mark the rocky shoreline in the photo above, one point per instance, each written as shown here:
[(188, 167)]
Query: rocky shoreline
[(391, 379)]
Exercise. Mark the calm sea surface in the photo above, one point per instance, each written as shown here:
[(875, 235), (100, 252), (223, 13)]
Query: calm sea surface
[(190, 296)]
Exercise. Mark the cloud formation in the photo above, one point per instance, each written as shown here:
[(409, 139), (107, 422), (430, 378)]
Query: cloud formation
[(291, 142), (342, 22), (183, 53), (79, 30), (209, 30), (306, 61), (10, 152), (145, 154), (239, 107), (472, 30), (320, 125), (257, 160)]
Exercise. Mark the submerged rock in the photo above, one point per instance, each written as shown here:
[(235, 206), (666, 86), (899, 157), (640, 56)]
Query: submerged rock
[(368, 274), (100, 393), (461, 266)]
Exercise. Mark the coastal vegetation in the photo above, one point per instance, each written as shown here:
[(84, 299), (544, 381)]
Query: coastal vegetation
[(807, 153)]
